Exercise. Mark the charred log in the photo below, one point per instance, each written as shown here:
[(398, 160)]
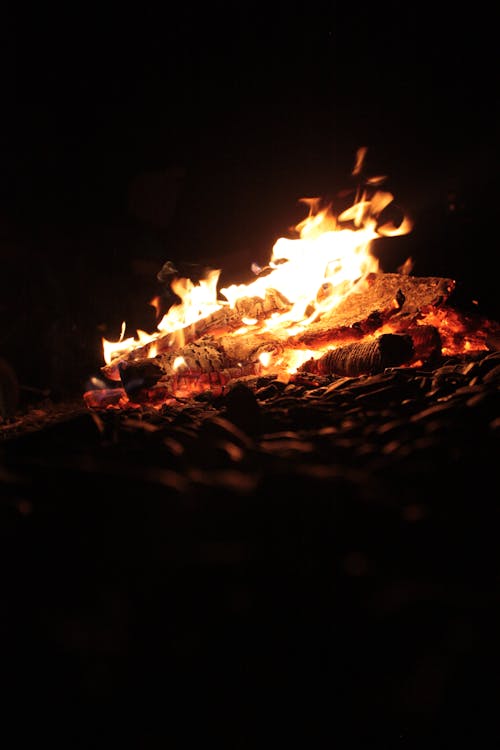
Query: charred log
[(373, 301), (197, 358), (186, 384), (364, 358), (108, 398), (221, 322)]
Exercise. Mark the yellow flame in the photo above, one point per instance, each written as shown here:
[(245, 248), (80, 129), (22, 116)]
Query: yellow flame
[(178, 363), (313, 271), (265, 359), (155, 302), (327, 257), (197, 301)]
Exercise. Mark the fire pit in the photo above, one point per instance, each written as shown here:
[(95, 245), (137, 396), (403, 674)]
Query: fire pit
[(279, 493)]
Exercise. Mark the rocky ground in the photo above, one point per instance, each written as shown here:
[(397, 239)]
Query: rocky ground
[(314, 562)]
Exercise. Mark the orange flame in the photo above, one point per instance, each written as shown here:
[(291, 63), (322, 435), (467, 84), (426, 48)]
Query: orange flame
[(312, 272)]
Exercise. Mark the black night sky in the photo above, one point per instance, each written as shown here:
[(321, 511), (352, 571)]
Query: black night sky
[(133, 137)]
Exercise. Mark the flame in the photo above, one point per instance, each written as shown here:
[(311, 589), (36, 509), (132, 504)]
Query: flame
[(156, 304), (197, 301), (312, 273), (179, 362), (323, 257), (328, 257)]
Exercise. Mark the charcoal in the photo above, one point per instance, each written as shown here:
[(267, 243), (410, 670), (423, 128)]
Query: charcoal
[(492, 375), (241, 407), (383, 396)]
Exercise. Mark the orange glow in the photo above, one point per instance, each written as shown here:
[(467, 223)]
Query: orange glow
[(455, 335), (155, 302)]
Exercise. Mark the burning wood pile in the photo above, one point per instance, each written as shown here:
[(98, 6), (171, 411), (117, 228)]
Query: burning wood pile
[(322, 306)]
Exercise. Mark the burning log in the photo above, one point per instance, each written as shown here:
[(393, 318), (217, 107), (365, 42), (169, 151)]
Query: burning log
[(374, 301), (207, 365), (221, 322), (419, 343), (364, 358), (201, 366), (182, 385), (196, 358)]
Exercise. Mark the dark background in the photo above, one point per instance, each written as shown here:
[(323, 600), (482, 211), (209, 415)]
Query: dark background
[(136, 136)]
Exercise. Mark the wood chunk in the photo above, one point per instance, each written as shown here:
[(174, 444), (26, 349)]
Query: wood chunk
[(218, 323), (196, 358), (258, 308), (373, 301), (106, 398), (364, 357), (395, 292), (222, 322)]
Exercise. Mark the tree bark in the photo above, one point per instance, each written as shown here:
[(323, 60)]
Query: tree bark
[(364, 357)]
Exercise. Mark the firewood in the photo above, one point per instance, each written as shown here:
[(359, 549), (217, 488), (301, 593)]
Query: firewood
[(197, 357), (373, 301), (222, 321), (391, 293), (187, 383), (364, 357), (234, 356), (258, 308)]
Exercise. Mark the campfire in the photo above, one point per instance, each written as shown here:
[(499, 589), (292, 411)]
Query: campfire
[(321, 306), (287, 476)]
